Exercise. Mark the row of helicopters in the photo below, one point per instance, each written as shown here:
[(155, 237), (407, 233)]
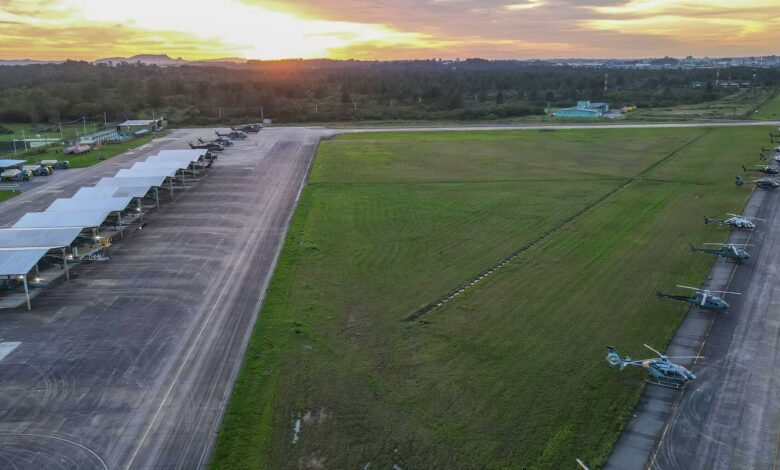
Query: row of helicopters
[(765, 182), (661, 368), (225, 139)]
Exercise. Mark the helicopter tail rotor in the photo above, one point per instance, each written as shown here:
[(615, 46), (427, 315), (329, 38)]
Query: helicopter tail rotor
[(614, 359)]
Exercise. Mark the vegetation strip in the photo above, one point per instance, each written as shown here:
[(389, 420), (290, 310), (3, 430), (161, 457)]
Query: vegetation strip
[(503, 262)]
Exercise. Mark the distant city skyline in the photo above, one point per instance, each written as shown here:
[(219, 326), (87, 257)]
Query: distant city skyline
[(374, 29)]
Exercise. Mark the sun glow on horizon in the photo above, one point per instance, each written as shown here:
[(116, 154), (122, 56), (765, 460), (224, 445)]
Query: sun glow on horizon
[(230, 28), (373, 30)]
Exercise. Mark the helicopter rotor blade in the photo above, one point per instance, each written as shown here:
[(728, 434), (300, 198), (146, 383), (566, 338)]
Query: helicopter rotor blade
[(728, 244), (725, 292), (650, 348), (746, 217), (688, 287), (685, 357)]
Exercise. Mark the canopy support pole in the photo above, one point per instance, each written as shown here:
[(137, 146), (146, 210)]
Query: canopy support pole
[(26, 292), (141, 210), (65, 264), (121, 230)]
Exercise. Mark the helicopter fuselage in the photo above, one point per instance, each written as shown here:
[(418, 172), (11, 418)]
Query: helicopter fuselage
[(711, 302)]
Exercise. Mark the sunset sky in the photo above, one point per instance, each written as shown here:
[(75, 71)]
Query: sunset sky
[(382, 29)]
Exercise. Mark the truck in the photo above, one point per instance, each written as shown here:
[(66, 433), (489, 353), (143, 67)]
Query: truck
[(15, 175), (38, 170), (76, 149), (56, 164)]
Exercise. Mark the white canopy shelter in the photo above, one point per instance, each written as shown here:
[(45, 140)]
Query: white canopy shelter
[(132, 181), (15, 239), (134, 173), (91, 192), (84, 219), (19, 263), (49, 238), (112, 204)]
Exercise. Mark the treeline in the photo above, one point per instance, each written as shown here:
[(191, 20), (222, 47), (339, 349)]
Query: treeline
[(317, 91)]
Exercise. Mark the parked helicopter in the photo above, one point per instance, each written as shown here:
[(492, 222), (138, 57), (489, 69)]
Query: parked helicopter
[(767, 170), (210, 146), (726, 250), (702, 297), (737, 221), (219, 140), (232, 135), (662, 371), (763, 183), (252, 128)]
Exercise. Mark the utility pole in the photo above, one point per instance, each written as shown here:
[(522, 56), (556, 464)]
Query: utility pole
[(62, 139), (84, 122), (24, 140), (316, 108), (220, 114), (13, 139), (105, 121), (262, 115), (606, 83)]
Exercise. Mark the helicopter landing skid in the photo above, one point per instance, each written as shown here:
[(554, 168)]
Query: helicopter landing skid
[(665, 383)]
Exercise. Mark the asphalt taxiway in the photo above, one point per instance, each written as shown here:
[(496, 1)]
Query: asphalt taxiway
[(130, 364)]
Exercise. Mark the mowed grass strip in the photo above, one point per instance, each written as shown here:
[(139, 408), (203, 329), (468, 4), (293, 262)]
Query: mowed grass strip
[(512, 373), (769, 110)]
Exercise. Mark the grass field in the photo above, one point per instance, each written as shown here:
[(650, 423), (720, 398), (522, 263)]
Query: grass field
[(509, 374), (52, 131), (740, 105), (770, 110), (54, 152)]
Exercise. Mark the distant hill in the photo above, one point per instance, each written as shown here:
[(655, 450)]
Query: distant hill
[(29, 62)]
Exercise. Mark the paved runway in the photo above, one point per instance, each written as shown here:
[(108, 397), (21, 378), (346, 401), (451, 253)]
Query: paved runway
[(130, 364)]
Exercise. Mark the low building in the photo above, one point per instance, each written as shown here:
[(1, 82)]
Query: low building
[(136, 125), (584, 109)]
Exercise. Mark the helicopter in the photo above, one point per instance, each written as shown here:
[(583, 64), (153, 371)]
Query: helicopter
[(252, 128), (767, 170), (702, 297), (763, 183), (737, 221), (662, 371), (726, 250), (210, 146), (232, 135), (219, 140)]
